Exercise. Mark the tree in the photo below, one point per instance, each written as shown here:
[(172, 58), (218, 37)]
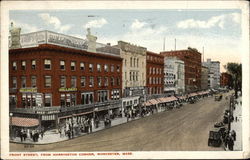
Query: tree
[(235, 69)]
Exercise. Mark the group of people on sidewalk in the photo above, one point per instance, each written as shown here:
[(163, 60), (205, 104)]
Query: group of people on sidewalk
[(33, 134)]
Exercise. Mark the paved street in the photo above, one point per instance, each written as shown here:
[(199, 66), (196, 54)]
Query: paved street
[(181, 129)]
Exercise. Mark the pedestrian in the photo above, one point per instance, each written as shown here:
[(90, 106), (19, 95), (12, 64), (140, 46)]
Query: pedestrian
[(90, 125), (42, 133), (21, 134), (233, 133), (236, 118), (226, 142), (231, 143)]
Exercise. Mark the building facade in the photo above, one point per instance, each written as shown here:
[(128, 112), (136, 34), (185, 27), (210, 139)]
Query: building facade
[(174, 76), (225, 80), (53, 81), (204, 78), (192, 60), (154, 73), (214, 73)]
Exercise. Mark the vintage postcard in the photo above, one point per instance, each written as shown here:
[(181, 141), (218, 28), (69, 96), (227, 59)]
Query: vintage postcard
[(124, 80)]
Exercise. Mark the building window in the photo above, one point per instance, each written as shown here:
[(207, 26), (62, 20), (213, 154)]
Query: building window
[(23, 82), (106, 69), (73, 66), (136, 76), (14, 65), (130, 76), (106, 81), (62, 100), (47, 64), (118, 81), (33, 81), (112, 68), (87, 98), (73, 82), (47, 81), (62, 65), (23, 65), (14, 82), (91, 69), (99, 68), (112, 81), (47, 100), (115, 94), (33, 64), (131, 61), (125, 62), (118, 68), (137, 62), (82, 67), (102, 96), (134, 62), (99, 81), (91, 81), (83, 81), (63, 82)]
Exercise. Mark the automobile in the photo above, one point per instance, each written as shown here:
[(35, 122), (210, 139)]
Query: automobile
[(214, 138), (218, 97), (219, 124)]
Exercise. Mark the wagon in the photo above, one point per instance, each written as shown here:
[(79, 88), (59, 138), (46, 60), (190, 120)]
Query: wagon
[(215, 138)]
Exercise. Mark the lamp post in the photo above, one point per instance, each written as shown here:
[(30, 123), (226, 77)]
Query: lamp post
[(11, 134)]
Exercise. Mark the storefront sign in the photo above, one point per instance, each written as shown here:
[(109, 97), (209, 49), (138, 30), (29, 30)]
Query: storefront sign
[(28, 90), (67, 89)]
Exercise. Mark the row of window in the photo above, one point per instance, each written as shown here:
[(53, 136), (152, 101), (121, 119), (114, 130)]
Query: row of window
[(101, 81), (155, 90), (134, 62), (153, 70), (48, 64), (30, 100), (154, 80), (153, 58)]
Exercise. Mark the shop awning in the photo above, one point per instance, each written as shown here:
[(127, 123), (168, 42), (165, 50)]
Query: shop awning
[(192, 94), (153, 101), (147, 103), (167, 99), (182, 97), (24, 122)]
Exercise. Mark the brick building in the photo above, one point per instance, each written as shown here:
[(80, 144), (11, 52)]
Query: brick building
[(192, 61), (59, 78), (154, 73), (225, 79)]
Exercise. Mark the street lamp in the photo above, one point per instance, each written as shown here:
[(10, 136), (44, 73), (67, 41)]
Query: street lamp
[(11, 137)]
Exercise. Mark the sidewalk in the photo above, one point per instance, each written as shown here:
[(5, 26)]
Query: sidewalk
[(52, 136), (237, 125)]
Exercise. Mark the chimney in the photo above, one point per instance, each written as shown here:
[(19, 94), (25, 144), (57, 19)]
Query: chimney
[(91, 41)]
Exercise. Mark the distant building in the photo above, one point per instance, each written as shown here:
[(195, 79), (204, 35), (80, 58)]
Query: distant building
[(192, 60), (214, 73), (154, 74), (226, 79), (174, 76), (133, 74), (204, 78)]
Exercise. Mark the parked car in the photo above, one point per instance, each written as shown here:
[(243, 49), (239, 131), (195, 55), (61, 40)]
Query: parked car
[(214, 139), (219, 124)]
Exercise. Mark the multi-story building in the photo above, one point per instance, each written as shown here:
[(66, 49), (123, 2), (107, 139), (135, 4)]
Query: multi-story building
[(214, 73), (174, 76), (154, 74), (133, 73), (204, 78), (226, 80), (192, 60), (54, 76)]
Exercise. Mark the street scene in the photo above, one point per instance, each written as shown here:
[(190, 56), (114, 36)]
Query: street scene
[(75, 84)]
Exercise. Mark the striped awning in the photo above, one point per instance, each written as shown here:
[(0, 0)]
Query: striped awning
[(147, 103), (192, 94), (167, 99), (182, 97), (153, 101), (24, 122)]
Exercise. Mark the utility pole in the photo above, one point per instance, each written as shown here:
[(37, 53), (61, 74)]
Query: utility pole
[(175, 44), (203, 53), (164, 43)]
